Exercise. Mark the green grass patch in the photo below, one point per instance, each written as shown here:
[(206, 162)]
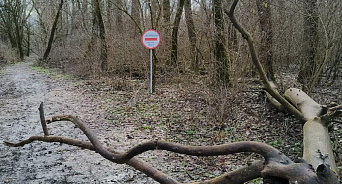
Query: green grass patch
[(41, 70), (51, 73), (145, 127)]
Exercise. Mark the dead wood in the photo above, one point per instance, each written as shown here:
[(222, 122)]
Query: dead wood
[(317, 147), (275, 163), (268, 87), (316, 140), (309, 108), (272, 100), (134, 162), (42, 119)]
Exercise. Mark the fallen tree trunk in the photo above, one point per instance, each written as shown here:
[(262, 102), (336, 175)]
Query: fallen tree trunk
[(317, 147), (316, 139)]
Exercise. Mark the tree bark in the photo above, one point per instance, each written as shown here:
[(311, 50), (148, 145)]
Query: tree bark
[(174, 36), (28, 32), (191, 34), (316, 139), (53, 30), (42, 119), (220, 52), (232, 41), (19, 39), (266, 53), (102, 34)]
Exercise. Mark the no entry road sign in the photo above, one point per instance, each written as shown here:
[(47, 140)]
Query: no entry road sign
[(150, 39)]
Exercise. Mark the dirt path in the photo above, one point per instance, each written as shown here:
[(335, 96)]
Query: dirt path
[(21, 91), (124, 114)]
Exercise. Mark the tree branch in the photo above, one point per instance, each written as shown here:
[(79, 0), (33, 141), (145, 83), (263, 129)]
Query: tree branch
[(130, 16), (240, 175), (268, 152), (274, 93), (135, 163), (42, 119), (276, 164), (331, 113)]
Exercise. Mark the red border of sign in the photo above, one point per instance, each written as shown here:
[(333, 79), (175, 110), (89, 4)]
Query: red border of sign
[(142, 36)]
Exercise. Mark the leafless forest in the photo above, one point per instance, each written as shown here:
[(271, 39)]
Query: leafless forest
[(225, 73)]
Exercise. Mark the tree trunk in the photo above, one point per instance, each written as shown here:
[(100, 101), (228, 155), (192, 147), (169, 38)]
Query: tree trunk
[(317, 147), (232, 41), (28, 39), (192, 35), (136, 10), (19, 39), (266, 53), (118, 16), (154, 13), (166, 28), (311, 37), (102, 35), (73, 25), (174, 36), (53, 30), (166, 12), (221, 57)]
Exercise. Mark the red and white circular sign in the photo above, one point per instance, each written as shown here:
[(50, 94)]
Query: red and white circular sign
[(150, 39)]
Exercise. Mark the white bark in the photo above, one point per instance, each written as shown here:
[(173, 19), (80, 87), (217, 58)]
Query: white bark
[(316, 139)]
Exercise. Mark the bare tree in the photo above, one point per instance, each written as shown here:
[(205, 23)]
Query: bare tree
[(166, 12), (265, 19), (52, 33), (309, 60), (220, 52), (232, 41), (14, 15), (98, 32), (136, 13), (191, 34), (174, 36), (98, 21)]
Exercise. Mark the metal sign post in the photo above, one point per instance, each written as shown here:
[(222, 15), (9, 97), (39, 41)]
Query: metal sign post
[(151, 73), (150, 40)]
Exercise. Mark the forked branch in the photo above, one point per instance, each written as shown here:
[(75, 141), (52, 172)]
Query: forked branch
[(276, 164)]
